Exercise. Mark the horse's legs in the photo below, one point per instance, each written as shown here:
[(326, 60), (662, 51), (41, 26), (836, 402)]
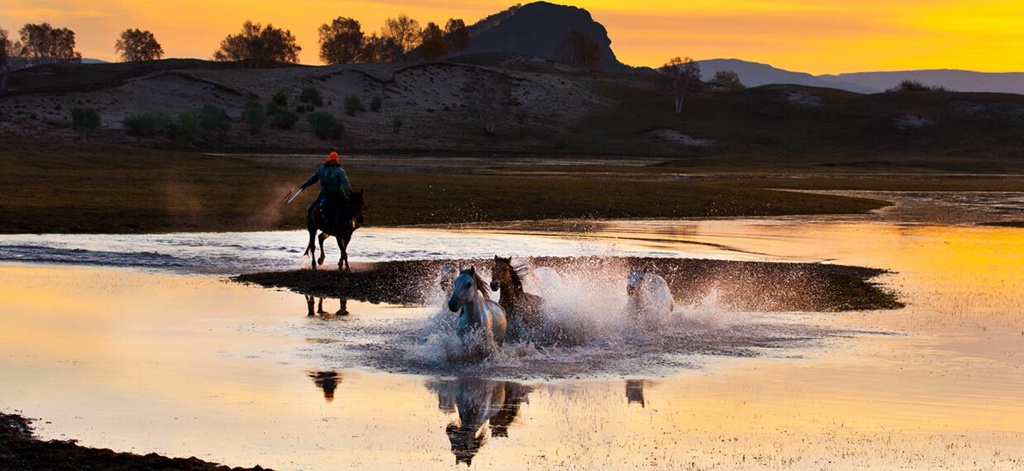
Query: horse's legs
[(323, 254), (320, 307), (309, 304), (311, 247), (343, 261)]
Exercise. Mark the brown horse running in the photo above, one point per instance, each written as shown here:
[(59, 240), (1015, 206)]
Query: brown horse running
[(351, 219), (524, 310)]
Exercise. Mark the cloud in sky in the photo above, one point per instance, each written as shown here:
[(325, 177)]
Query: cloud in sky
[(820, 36)]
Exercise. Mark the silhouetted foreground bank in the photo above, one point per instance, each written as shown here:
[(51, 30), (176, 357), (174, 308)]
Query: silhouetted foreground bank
[(19, 450), (738, 286)]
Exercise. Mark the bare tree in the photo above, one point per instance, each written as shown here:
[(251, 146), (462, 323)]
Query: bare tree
[(404, 30), (135, 45), (489, 96), (433, 44), (456, 35), (341, 41), (683, 76), (44, 44), (377, 49), (259, 46), (580, 49)]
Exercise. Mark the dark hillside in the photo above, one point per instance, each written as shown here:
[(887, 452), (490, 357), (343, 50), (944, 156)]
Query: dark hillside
[(84, 76)]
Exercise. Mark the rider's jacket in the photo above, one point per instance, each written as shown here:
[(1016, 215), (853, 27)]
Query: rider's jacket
[(331, 177)]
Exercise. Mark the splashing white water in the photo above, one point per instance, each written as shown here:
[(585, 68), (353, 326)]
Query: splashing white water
[(588, 328)]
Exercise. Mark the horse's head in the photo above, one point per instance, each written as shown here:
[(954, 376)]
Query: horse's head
[(466, 442), (358, 207), (635, 280), (501, 273), (462, 292)]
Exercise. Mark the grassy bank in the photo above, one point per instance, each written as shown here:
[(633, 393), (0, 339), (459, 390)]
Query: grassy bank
[(92, 187)]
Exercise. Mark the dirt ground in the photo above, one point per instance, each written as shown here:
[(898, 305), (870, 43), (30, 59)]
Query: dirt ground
[(90, 187), (19, 450)]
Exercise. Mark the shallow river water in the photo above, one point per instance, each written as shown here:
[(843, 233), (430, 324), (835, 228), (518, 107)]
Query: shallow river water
[(157, 352)]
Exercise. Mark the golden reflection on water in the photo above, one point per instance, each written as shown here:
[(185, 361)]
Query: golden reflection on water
[(191, 365)]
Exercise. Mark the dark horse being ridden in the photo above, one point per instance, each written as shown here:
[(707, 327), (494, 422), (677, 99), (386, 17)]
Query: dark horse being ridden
[(524, 309), (349, 218)]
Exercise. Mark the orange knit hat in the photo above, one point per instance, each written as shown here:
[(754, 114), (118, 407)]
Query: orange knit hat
[(332, 157)]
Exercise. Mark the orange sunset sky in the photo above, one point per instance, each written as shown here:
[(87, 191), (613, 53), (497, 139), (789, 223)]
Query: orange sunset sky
[(817, 36)]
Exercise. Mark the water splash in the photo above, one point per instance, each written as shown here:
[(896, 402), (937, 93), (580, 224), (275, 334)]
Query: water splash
[(589, 331)]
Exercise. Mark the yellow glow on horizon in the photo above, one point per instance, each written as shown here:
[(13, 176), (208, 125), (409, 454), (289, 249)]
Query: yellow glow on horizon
[(823, 36)]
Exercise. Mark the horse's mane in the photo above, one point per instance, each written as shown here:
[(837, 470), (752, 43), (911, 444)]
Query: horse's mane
[(481, 285), (479, 282), (518, 272)]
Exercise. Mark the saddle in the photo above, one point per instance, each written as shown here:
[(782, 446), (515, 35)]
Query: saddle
[(332, 211)]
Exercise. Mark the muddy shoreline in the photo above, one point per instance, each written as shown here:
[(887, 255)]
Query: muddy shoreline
[(21, 450), (743, 286)]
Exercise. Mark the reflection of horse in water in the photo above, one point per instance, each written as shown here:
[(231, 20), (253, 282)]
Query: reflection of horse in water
[(326, 380), (635, 392), (311, 300), (524, 311), (342, 226), (479, 402), (478, 313)]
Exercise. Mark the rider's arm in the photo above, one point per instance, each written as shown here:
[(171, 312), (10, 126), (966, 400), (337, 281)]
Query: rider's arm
[(344, 183), (311, 180)]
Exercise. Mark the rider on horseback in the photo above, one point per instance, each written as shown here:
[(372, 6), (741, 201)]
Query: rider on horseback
[(334, 190)]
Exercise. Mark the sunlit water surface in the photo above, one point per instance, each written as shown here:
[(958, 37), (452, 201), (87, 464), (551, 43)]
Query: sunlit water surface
[(176, 360)]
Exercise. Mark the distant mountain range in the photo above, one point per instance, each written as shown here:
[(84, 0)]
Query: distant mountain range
[(755, 74), (537, 29)]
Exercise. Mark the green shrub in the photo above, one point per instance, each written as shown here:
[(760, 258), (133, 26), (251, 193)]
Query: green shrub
[(85, 119), (353, 105), (145, 124), (280, 117), (254, 116), (311, 95), (396, 125), (280, 98), (214, 121), (325, 126), (915, 86), (376, 104), (186, 127), (301, 109)]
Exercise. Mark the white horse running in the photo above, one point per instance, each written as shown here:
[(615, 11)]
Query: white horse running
[(649, 296), (478, 311), (543, 281)]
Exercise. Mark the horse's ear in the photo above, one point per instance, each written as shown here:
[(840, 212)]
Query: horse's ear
[(497, 258), (472, 269)]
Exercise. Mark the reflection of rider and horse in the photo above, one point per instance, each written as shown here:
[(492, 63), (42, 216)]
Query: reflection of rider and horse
[(318, 302)]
